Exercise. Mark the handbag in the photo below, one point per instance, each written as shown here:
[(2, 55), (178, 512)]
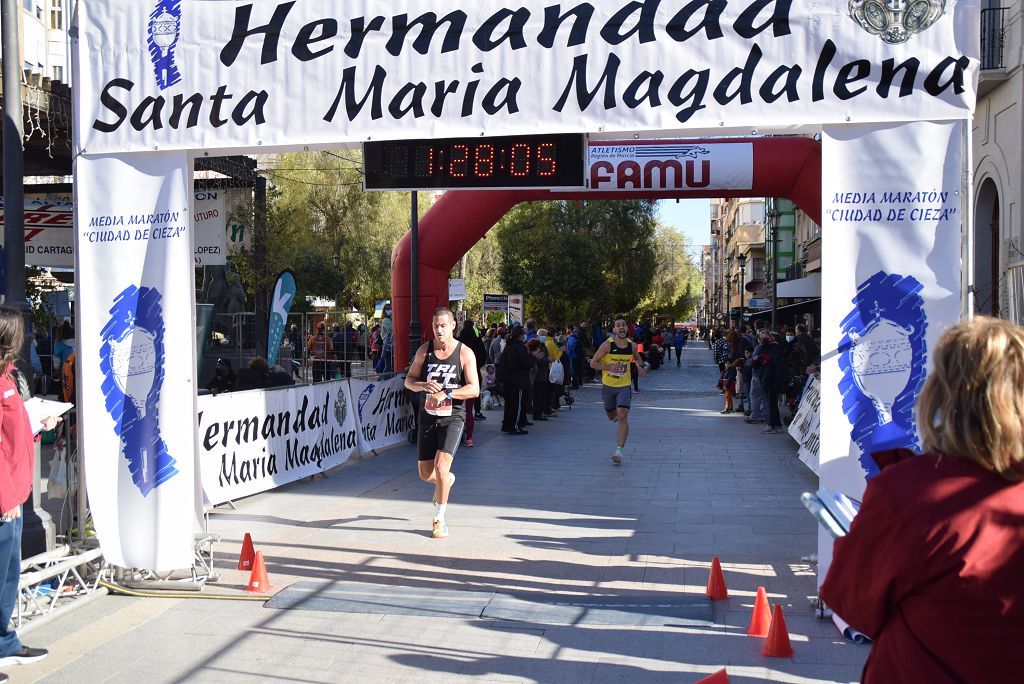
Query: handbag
[(556, 376), (57, 483)]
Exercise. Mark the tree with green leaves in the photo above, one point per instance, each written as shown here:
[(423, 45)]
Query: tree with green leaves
[(577, 260), (335, 237), (675, 290)]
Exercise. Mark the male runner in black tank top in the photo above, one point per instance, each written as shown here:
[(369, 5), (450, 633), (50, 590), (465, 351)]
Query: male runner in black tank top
[(445, 370)]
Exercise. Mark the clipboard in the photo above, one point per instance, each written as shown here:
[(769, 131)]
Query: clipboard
[(835, 511), (39, 408)]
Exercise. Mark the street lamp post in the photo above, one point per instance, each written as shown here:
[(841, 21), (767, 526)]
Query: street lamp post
[(337, 300), (728, 294), (743, 281), (773, 223)]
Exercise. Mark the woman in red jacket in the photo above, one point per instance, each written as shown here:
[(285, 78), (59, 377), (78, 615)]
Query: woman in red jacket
[(16, 454), (933, 567)]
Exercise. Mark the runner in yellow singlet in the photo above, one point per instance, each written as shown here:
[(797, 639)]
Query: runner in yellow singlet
[(613, 359)]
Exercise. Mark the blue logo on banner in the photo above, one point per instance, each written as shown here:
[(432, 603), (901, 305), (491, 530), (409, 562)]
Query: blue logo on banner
[(364, 397), (883, 356), (164, 29), (132, 363)]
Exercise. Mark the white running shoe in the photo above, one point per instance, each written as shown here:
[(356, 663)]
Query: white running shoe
[(440, 530)]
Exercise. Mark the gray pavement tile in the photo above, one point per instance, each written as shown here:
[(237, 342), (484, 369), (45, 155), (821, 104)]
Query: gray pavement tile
[(352, 597), (618, 611)]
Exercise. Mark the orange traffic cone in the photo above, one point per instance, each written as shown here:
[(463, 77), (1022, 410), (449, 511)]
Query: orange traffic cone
[(259, 583), (717, 590), (720, 677), (248, 553), (777, 644), (761, 619)]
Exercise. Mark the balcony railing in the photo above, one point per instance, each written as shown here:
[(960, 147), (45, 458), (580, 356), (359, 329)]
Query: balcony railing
[(993, 37)]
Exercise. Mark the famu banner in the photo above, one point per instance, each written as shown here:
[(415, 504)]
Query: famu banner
[(193, 74), (892, 220), (136, 356), (253, 441), (385, 414), (655, 165)]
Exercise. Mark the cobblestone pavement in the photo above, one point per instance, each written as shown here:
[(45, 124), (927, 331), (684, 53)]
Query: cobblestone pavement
[(546, 518)]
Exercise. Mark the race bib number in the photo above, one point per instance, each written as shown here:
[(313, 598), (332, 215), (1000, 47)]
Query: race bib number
[(438, 408)]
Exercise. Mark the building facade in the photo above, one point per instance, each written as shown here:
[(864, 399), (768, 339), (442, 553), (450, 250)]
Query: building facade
[(998, 176)]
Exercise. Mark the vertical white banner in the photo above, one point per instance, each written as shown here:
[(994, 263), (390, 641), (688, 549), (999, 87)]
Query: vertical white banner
[(891, 217), (136, 355)]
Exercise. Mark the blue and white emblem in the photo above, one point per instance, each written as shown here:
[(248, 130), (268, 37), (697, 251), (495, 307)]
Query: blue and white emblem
[(883, 356), (132, 363), (164, 29)]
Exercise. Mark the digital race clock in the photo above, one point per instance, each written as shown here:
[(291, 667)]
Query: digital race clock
[(526, 161)]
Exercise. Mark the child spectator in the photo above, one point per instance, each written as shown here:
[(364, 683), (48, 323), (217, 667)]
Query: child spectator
[(731, 373)]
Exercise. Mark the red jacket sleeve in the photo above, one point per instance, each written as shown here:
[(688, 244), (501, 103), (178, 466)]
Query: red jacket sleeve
[(873, 567)]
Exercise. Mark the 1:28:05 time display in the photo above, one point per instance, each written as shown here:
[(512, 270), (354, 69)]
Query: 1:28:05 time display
[(532, 161)]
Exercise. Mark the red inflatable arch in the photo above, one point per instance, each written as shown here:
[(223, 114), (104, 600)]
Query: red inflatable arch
[(783, 167)]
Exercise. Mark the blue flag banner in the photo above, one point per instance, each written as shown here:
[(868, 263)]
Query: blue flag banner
[(280, 305)]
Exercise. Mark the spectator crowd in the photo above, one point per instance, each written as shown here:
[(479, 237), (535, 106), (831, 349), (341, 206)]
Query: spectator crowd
[(763, 371)]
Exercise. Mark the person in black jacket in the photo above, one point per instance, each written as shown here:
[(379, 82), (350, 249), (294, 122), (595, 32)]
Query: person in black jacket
[(469, 338), (541, 386), (223, 379), (773, 380), (515, 366), (813, 353)]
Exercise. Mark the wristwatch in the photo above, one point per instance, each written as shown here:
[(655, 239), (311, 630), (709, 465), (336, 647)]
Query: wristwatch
[(448, 393)]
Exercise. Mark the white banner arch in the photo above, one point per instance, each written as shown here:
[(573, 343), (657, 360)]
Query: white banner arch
[(159, 81)]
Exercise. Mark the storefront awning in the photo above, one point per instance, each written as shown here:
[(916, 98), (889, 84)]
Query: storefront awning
[(809, 286)]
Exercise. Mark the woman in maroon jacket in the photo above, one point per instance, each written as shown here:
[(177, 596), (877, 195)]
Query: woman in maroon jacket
[(933, 567), (16, 454)]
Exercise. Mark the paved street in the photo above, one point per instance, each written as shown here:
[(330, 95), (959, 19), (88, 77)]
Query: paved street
[(598, 557)]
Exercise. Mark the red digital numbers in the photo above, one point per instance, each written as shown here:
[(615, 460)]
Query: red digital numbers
[(547, 163), (520, 154), (483, 166), (460, 161), (489, 161)]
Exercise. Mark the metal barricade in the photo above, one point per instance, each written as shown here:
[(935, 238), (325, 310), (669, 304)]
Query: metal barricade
[(233, 337)]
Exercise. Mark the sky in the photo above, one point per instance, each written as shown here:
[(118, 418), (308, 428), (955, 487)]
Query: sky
[(692, 216)]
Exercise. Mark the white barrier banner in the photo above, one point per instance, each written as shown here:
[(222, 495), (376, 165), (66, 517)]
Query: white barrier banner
[(385, 415), (50, 238), (638, 165), (806, 428), (136, 356), (250, 442), (193, 74), (891, 211)]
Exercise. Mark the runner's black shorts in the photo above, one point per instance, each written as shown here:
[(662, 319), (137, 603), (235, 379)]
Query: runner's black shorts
[(439, 434)]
